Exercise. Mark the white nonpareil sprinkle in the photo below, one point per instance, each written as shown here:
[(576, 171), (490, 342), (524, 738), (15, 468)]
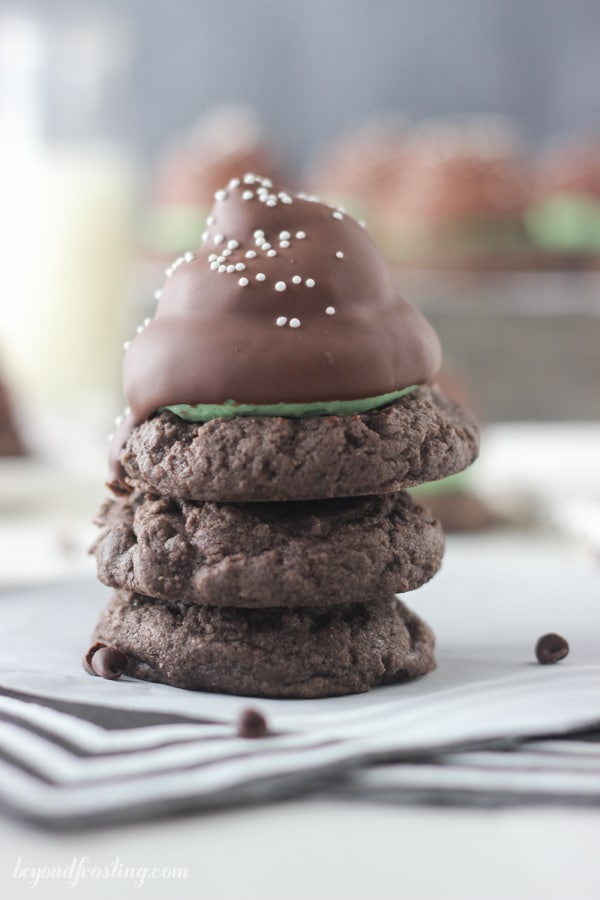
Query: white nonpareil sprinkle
[(247, 195), (271, 252), (284, 235), (339, 254), (272, 201), (260, 276), (231, 268), (259, 241), (295, 323), (214, 265), (221, 195), (266, 182), (157, 295), (139, 329), (249, 178), (280, 320), (212, 257), (219, 238), (243, 282), (235, 182), (362, 223), (296, 279), (226, 253), (337, 214), (330, 310), (147, 322), (126, 345), (118, 420), (285, 198), (310, 282), (239, 267), (284, 244), (259, 233), (250, 254), (266, 245), (210, 220), (188, 257), (233, 245), (222, 268), (280, 285), (204, 235), (300, 235)]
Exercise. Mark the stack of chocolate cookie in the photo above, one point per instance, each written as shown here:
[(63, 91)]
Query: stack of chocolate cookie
[(280, 405)]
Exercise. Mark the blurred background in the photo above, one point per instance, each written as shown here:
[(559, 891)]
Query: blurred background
[(467, 134)]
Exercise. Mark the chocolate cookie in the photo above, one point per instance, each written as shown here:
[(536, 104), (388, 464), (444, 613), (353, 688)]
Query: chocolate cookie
[(268, 554), (422, 437), (309, 652)]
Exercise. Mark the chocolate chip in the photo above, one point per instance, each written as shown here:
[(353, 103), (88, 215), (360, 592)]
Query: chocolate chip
[(551, 648), (108, 662), (119, 487), (87, 659), (252, 724)]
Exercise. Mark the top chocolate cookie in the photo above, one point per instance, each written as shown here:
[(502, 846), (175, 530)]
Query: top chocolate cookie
[(421, 437)]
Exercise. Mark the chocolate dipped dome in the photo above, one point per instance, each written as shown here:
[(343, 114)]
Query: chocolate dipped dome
[(287, 301), (281, 365)]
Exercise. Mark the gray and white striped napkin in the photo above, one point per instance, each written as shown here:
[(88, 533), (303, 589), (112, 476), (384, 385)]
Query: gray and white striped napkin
[(489, 726)]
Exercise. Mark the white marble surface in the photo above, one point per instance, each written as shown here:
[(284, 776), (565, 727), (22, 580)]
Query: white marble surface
[(326, 851)]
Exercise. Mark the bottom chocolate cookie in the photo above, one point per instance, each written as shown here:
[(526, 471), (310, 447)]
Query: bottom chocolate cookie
[(305, 652)]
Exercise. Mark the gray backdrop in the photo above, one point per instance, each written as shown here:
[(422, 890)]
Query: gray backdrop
[(312, 66)]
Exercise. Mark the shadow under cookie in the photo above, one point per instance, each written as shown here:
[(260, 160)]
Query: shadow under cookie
[(280, 653), (423, 436), (268, 554)]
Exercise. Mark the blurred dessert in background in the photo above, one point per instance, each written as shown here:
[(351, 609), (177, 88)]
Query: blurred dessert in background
[(455, 501), (224, 141), (464, 194), (357, 169), (564, 216), (11, 443), (459, 198)]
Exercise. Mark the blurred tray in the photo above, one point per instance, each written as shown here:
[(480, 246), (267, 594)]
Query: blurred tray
[(527, 344)]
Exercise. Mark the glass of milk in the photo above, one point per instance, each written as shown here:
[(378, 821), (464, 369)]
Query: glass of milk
[(67, 189)]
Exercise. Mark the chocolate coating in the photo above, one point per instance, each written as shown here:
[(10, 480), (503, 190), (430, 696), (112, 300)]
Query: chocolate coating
[(213, 339)]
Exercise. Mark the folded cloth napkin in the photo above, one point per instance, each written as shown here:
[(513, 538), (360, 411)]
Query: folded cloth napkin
[(77, 750)]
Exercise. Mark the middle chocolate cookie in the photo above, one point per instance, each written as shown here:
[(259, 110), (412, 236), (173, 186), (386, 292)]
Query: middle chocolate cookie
[(319, 552)]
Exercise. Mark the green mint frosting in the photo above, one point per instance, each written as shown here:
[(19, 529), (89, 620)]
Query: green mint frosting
[(204, 412), (452, 484), (566, 223), (174, 229)]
